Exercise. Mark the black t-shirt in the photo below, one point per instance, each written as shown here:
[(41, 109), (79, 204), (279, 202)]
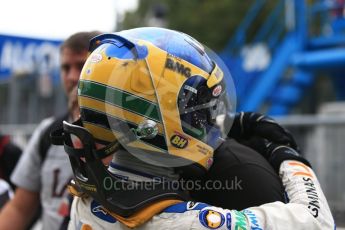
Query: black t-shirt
[(9, 156), (239, 178)]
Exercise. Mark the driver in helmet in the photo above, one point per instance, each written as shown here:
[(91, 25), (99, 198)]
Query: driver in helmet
[(149, 122)]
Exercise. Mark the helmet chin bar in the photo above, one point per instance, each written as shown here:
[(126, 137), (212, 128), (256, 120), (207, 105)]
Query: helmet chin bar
[(127, 197)]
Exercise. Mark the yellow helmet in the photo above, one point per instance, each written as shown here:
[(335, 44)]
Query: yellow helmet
[(158, 93)]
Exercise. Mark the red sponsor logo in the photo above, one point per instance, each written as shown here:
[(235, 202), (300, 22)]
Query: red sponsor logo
[(217, 90)]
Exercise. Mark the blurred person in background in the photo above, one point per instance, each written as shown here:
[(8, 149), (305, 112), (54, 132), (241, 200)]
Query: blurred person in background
[(43, 171), (9, 156)]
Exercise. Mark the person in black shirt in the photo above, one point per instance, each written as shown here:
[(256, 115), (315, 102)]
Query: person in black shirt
[(9, 156), (239, 164)]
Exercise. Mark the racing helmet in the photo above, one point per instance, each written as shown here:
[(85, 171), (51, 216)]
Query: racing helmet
[(158, 93)]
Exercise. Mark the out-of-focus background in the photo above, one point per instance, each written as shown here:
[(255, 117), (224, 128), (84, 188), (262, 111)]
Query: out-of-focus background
[(287, 59)]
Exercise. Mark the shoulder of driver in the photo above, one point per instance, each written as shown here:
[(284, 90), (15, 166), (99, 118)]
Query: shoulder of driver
[(303, 211)]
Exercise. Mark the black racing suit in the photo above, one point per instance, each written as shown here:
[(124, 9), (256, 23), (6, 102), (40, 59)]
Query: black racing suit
[(246, 177)]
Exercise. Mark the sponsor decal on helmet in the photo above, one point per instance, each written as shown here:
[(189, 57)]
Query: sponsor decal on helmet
[(209, 162), (178, 67), (86, 186), (203, 150), (191, 89), (211, 219), (218, 73), (95, 58), (174, 56), (217, 90), (179, 141)]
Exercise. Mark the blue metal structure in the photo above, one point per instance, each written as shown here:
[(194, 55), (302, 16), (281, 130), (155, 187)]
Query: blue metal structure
[(295, 54)]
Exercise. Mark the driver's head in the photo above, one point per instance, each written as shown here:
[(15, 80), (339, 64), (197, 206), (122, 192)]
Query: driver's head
[(158, 93), (151, 97)]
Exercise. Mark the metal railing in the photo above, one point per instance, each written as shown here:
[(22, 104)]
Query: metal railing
[(322, 141)]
